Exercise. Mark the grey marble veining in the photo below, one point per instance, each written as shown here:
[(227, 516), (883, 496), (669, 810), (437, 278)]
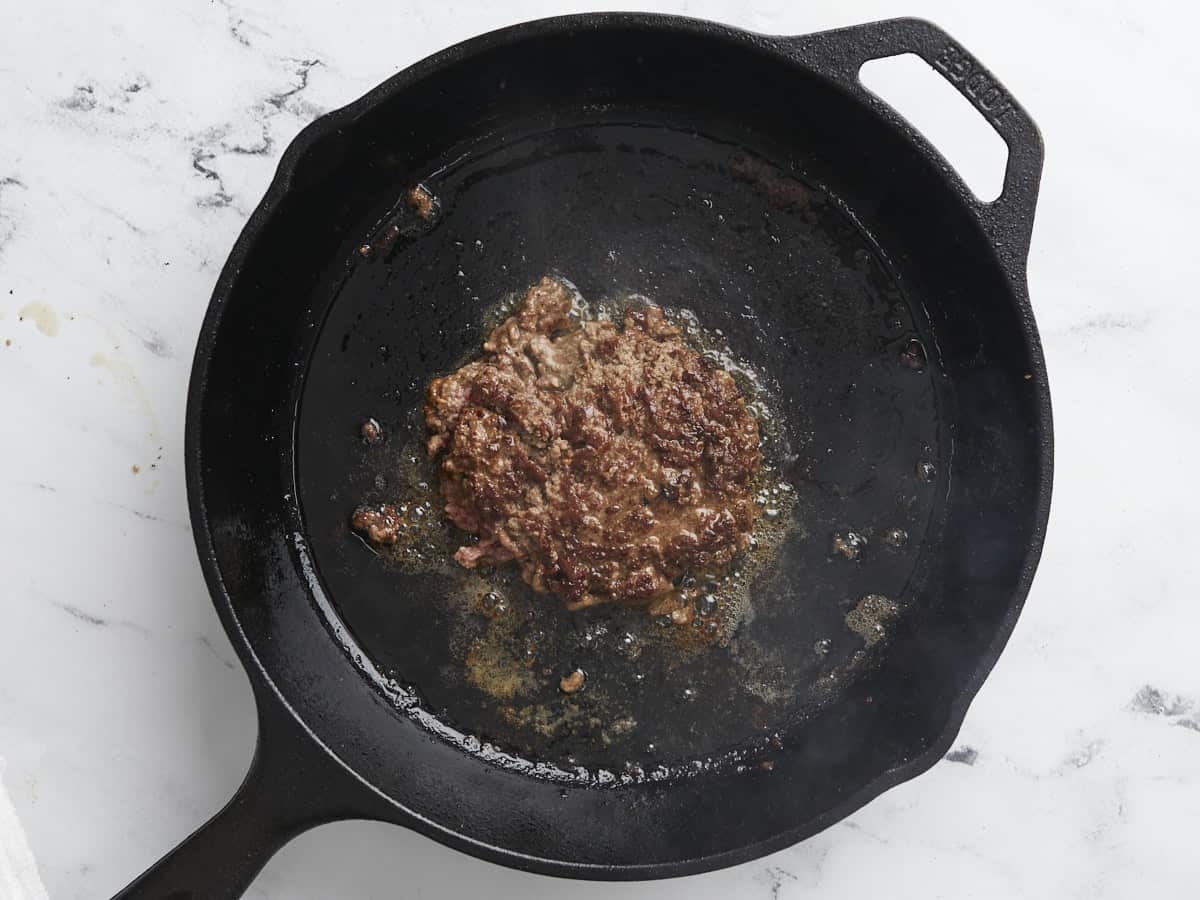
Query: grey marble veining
[(137, 140)]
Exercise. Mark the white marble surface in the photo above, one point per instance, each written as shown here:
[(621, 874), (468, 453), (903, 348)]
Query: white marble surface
[(137, 137)]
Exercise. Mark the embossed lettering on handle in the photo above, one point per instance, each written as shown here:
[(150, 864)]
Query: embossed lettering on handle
[(986, 95), (841, 53)]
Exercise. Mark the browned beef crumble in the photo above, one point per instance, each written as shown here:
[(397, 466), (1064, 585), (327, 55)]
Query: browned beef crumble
[(605, 460)]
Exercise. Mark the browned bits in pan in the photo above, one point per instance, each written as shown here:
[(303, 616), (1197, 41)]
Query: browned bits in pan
[(381, 526), (421, 201), (572, 682)]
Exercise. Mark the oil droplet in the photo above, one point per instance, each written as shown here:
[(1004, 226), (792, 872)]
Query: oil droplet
[(849, 544), (629, 646), (870, 616), (822, 646), (895, 537), (371, 431), (926, 471), (689, 694), (494, 603), (706, 604), (591, 636), (913, 355)]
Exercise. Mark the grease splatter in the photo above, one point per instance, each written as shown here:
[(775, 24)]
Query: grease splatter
[(42, 315), (871, 616)]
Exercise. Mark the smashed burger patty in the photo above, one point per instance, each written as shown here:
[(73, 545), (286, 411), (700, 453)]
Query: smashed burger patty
[(605, 460)]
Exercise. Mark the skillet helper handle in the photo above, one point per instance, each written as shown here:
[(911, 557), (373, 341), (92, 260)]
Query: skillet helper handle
[(291, 786), (839, 54)]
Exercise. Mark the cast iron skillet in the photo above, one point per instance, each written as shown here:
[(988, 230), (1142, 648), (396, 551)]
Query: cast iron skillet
[(753, 180)]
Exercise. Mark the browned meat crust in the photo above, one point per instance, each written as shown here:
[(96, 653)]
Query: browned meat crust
[(605, 460), (381, 526)]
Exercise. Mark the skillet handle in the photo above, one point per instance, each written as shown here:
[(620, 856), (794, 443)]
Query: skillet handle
[(293, 785), (839, 54)]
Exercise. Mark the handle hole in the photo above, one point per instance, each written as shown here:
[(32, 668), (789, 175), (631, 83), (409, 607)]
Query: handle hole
[(928, 101)]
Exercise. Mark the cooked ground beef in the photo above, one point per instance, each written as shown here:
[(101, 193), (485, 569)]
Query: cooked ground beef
[(607, 461), (381, 526)]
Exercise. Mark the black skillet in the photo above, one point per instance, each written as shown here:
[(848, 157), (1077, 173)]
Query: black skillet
[(753, 180)]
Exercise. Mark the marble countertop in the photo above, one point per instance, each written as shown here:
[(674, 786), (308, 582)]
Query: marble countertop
[(137, 139)]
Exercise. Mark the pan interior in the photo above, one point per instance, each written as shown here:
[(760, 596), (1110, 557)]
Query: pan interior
[(692, 214)]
